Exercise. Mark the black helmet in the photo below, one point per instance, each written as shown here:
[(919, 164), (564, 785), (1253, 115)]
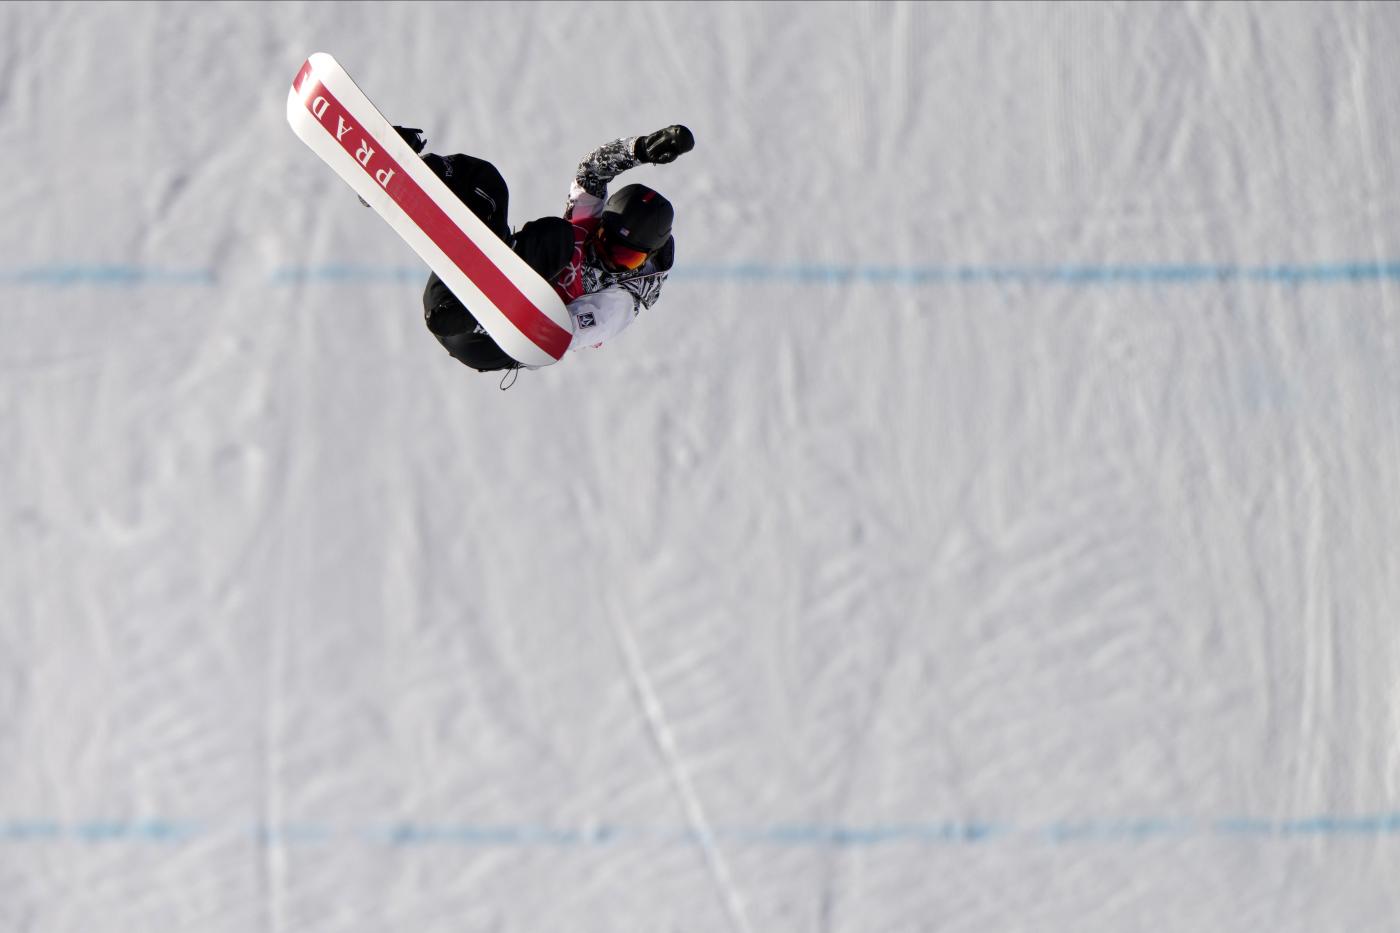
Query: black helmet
[(639, 217)]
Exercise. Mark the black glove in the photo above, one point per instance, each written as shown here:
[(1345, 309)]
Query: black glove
[(413, 136), (665, 145)]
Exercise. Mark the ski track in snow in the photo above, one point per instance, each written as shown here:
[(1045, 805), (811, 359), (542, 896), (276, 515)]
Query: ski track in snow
[(991, 528)]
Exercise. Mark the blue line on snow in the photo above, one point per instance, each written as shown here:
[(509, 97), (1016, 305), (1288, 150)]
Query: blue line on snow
[(829, 274), (1065, 274), (1080, 275), (96, 831), (797, 835), (60, 276)]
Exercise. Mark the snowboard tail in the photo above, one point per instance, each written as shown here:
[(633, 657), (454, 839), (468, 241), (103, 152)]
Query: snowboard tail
[(519, 309)]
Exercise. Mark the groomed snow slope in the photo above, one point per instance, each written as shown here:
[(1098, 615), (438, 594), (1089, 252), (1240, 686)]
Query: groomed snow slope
[(994, 527)]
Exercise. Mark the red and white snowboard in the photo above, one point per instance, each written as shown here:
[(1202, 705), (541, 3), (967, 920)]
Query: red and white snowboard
[(518, 308)]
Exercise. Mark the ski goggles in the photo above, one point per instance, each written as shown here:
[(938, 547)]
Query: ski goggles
[(617, 254)]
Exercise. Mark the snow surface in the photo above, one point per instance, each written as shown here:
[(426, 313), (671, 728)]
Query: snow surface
[(993, 528)]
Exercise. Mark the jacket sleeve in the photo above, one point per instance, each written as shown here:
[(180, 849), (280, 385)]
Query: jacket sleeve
[(590, 187), (601, 316)]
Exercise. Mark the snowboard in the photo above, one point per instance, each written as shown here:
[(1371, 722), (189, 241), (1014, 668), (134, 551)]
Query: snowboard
[(518, 309)]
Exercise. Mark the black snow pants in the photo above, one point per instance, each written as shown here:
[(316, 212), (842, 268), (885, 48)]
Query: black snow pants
[(546, 245)]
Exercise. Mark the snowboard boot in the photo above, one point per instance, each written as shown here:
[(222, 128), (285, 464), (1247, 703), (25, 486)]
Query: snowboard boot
[(448, 320), (546, 245), (414, 137)]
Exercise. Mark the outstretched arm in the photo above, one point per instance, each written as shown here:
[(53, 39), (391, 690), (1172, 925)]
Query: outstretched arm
[(611, 159), (604, 164)]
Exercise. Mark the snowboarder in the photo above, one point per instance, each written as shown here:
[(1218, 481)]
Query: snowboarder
[(606, 257)]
